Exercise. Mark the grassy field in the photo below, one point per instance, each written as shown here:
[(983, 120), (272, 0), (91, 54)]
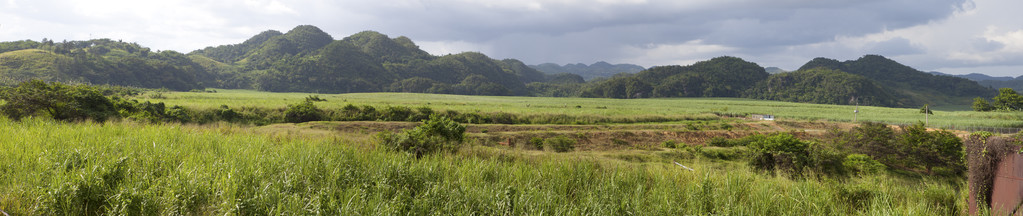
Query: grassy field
[(129, 168), (668, 107)]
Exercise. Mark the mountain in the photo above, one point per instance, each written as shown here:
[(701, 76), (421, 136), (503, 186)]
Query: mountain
[(823, 86), (775, 70), (589, 72), (975, 76), (914, 86), (718, 77), (99, 61), (306, 59), (989, 81)]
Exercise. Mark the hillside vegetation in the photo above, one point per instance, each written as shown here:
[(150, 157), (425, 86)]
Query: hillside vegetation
[(306, 59)]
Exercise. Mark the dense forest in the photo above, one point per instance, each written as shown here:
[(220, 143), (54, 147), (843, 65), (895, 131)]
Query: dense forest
[(306, 59)]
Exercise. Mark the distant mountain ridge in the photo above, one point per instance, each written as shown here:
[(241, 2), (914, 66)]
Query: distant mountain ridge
[(589, 72), (989, 81)]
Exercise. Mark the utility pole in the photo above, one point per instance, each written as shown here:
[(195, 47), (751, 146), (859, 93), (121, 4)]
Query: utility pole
[(927, 111), (857, 109)]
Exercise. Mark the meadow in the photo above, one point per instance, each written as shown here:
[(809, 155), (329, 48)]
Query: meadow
[(129, 168), (671, 108)]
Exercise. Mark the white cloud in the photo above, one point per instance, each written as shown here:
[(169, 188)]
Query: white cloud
[(452, 47), (680, 54)]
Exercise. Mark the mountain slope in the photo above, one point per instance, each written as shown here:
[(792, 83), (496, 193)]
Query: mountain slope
[(918, 87), (823, 86)]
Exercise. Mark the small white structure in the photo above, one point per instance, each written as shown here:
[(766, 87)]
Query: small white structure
[(763, 117)]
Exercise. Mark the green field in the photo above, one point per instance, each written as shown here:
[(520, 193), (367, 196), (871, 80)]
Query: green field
[(667, 107), (141, 169)]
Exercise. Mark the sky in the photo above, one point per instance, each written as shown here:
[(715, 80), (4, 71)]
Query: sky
[(950, 36)]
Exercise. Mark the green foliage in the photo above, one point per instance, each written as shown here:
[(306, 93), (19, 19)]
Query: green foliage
[(560, 143), (926, 109), (670, 144), (1008, 100), (932, 148), (536, 142), (303, 112), (781, 151), (863, 164), (435, 135), (981, 105), (57, 101)]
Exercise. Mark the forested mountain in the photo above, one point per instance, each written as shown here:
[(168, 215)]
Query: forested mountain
[(916, 87), (589, 72), (306, 59), (989, 81), (100, 61), (823, 86), (718, 77)]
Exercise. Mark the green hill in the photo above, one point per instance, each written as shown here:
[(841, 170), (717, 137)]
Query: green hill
[(913, 86), (823, 86)]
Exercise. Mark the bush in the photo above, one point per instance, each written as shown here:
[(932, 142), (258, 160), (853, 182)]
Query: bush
[(434, 135), (537, 143), (863, 164), (782, 151), (560, 143), (670, 144), (302, 112)]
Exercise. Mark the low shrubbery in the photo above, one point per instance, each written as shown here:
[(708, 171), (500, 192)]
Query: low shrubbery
[(560, 143), (435, 135)]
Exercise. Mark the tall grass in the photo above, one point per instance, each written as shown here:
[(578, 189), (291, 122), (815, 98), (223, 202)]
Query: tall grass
[(141, 169)]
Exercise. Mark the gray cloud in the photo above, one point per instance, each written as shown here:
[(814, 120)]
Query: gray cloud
[(894, 47)]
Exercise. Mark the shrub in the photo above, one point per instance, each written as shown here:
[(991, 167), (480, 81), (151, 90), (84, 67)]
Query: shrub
[(863, 164), (434, 135), (782, 151), (302, 112), (537, 143), (227, 114), (669, 144), (560, 143), (314, 98)]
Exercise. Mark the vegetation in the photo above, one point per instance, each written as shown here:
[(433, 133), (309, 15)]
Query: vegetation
[(129, 168), (435, 135)]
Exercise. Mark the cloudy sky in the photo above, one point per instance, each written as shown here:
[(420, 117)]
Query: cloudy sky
[(952, 36)]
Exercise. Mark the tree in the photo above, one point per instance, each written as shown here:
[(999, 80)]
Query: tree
[(981, 105), (58, 101), (932, 149), (1008, 99)]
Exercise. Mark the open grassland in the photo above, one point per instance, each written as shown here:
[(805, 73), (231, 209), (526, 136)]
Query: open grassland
[(657, 108), (128, 168)]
